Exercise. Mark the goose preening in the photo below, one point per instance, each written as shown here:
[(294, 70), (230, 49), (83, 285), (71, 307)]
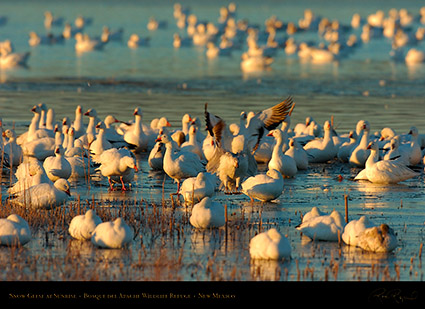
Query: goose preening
[(14, 230), (82, 226), (354, 229), (269, 245), (377, 239), (207, 214), (112, 235), (118, 165), (264, 187), (196, 188), (323, 227), (384, 171)]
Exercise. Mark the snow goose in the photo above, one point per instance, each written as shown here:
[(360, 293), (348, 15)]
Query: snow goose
[(112, 235), (85, 44), (325, 227), (192, 144), (156, 157), (385, 171), (414, 56), (82, 226), (264, 187), (100, 144), (14, 230), (78, 124), (314, 212), (395, 154), (412, 148), (269, 245), (207, 214), (361, 152), (346, 148), (285, 164), (44, 195), (118, 164), (251, 64), (91, 127), (12, 60), (354, 228), (179, 164), (135, 41), (57, 166), (297, 153), (377, 239), (322, 149), (11, 149), (196, 188), (71, 150), (135, 134), (29, 173), (34, 132)]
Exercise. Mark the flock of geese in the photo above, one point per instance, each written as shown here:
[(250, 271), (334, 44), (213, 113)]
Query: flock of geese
[(259, 45), (50, 154)]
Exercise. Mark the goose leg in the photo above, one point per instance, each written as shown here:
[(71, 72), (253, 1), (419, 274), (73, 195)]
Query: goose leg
[(123, 185), (111, 186)]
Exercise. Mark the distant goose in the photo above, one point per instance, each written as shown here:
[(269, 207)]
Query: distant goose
[(14, 230), (85, 44), (207, 214), (112, 235), (82, 226), (269, 245)]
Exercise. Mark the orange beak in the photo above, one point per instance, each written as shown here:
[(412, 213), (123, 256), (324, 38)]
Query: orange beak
[(136, 169)]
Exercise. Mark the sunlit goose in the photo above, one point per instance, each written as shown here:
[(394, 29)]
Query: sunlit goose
[(34, 131), (112, 235), (322, 149), (319, 55), (285, 164), (82, 226), (154, 24), (91, 127), (196, 188), (264, 187), (118, 164), (395, 154), (135, 134), (377, 239), (44, 195), (78, 125), (269, 245), (347, 148), (361, 152), (107, 35), (298, 153), (29, 173), (385, 171), (85, 44), (207, 214), (412, 148), (326, 227), (12, 60), (179, 164), (192, 144), (354, 229), (255, 64), (71, 150), (11, 149), (57, 166), (135, 41), (100, 144), (314, 212), (156, 156), (81, 167), (14, 230), (50, 20)]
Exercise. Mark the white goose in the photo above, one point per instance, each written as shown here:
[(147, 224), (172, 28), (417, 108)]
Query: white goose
[(207, 214), (90, 135), (85, 44), (57, 166), (269, 245), (112, 235), (198, 187), (297, 153), (360, 153), (118, 165), (192, 144), (347, 148), (78, 124), (377, 239), (264, 187), (354, 228), (11, 148), (285, 164), (322, 149), (135, 134), (325, 227), (100, 144), (44, 195), (385, 171), (82, 226), (29, 173), (14, 230), (412, 149), (179, 164)]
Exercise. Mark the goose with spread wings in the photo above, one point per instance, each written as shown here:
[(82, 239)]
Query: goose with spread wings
[(233, 158)]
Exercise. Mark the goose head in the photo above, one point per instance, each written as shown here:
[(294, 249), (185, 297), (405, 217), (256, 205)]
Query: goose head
[(91, 113), (138, 112), (63, 185), (101, 125), (130, 162)]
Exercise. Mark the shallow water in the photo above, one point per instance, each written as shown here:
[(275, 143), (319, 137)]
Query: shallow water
[(167, 82)]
